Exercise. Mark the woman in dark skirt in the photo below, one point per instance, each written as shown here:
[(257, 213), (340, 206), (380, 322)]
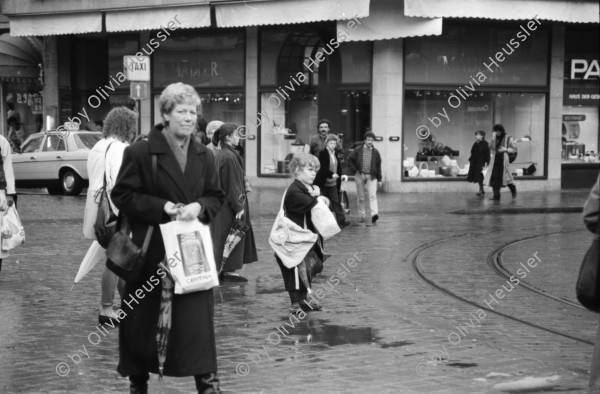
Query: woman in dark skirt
[(480, 157), (300, 198)]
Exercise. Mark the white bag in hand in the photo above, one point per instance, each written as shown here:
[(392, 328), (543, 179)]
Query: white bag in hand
[(189, 254), (324, 220), (13, 232)]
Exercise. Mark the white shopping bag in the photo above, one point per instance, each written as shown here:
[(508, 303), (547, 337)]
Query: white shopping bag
[(324, 220), (189, 254), (13, 232)]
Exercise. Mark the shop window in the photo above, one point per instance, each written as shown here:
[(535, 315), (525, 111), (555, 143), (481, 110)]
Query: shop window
[(432, 129), (208, 60), (285, 129), (226, 107)]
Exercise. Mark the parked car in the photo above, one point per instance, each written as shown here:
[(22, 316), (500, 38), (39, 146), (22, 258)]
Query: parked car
[(55, 160)]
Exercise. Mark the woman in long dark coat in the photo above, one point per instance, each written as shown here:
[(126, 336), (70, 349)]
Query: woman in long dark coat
[(480, 157), (230, 167), (499, 174), (186, 175), (300, 198)]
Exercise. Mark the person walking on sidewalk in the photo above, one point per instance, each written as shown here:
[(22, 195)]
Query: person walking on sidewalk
[(365, 163), (186, 175), (230, 167), (480, 157), (300, 198), (104, 160), (329, 178), (591, 218), (498, 174)]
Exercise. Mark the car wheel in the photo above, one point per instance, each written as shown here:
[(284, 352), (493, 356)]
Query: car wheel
[(70, 183)]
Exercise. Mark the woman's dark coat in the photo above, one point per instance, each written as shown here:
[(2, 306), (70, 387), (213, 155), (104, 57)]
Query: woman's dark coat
[(191, 348), (325, 173), (230, 168), (297, 206), (480, 157), (499, 174)]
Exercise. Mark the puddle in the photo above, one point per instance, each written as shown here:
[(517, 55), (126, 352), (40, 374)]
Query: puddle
[(530, 384), (334, 335), (462, 365), (396, 344)]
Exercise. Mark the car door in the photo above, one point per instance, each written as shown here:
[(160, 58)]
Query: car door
[(25, 164), (51, 157)]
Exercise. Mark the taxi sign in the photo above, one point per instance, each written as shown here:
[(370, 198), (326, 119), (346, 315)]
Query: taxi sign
[(136, 68), (138, 90)]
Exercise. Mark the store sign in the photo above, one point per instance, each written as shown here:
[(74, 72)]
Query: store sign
[(585, 69), (573, 118), (136, 68)]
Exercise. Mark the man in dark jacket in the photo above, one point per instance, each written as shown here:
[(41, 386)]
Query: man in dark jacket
[(365, 163)]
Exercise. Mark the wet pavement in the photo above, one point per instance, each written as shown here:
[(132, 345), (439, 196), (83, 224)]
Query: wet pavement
[(421, 303)]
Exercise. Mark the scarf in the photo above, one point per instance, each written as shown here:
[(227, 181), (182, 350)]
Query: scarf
[(180, 152)]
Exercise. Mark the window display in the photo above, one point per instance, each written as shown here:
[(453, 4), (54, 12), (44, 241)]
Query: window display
[(443, 151)]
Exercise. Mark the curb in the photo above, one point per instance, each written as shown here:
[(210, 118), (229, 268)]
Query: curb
[(495, 211)]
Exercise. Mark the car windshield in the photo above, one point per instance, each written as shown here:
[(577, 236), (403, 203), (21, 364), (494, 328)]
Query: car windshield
[(86, 140)]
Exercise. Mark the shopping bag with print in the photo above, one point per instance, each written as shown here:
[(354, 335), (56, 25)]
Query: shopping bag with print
[(189, 254)]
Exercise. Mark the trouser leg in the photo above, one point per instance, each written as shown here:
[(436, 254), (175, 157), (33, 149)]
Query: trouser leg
[(372, 189), (496, 193), (333, 195), (360, 193), (513, 189)]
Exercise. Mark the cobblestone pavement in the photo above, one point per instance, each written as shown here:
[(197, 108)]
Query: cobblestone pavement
[(384, 328)]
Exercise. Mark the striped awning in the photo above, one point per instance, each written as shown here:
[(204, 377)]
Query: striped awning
[(184, 17), (55, 24), (582, 11), (281, 12), (387, 21)]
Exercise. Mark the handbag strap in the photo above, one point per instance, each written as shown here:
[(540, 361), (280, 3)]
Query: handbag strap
[(283, 210), (105, 153)]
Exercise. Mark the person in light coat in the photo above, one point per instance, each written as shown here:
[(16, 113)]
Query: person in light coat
[(7, 182), (498, 174), (106, 158)]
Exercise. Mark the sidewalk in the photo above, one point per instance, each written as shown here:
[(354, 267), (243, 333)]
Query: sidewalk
[(383, 329)]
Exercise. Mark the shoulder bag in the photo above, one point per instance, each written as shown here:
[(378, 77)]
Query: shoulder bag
[(106, 220), (125, 258), (290, 242), (588, 281)]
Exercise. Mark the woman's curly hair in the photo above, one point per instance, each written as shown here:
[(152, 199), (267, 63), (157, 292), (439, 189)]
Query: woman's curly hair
[(120, 123)]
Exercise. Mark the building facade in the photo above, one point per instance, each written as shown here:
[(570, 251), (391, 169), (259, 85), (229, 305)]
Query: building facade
[(422, 75)]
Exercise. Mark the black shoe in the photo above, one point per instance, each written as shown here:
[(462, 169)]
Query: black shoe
[(229, 277), (307, 306), (496, 198), (104, 320), (208, 383), (374, 219), (480, 194), (345, 224)]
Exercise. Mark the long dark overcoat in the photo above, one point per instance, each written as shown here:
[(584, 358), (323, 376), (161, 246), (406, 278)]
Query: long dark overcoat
[(191, 348), (480, 156), (231, 176)]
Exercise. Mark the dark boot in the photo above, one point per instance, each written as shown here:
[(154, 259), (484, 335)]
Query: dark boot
[(481, 192), (513, 189), (496, 195), (208, 383), (138, 384)]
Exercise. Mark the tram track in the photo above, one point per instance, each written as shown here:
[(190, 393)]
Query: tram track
[(414, 259)]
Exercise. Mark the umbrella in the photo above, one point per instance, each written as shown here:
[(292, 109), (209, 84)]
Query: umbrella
[(236, 233), (94, 255), (164, 318)]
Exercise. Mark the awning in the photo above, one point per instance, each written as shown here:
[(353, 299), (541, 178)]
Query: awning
[(553, 10), (386, 21), (188, 17), (19, 58), (288, 12), (55, 24)]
